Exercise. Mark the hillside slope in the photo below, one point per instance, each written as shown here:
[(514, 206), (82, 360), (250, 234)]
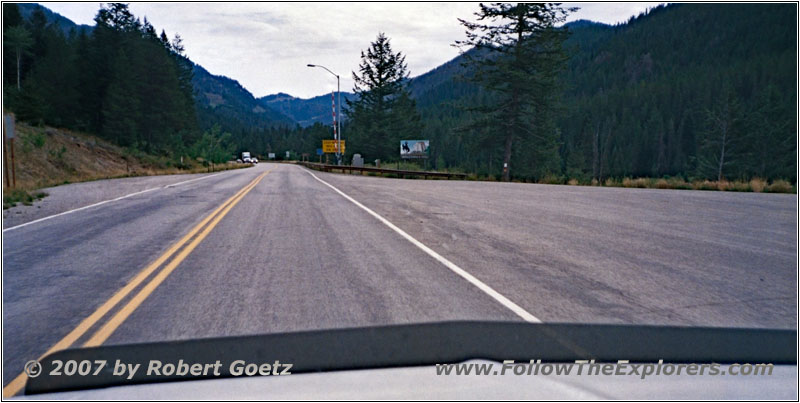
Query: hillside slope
[(47, 156), (305, 112), (636, 96), (223, 100), (66, 25), (219, 99)]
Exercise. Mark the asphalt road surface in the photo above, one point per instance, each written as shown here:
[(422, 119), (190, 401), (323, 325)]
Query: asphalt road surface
[(272, 248)]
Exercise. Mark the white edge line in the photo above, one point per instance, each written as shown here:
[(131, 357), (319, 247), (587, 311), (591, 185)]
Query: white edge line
[(192, 180), (441, 259), (105, 201)]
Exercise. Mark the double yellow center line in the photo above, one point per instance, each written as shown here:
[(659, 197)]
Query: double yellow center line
[(101, 335)]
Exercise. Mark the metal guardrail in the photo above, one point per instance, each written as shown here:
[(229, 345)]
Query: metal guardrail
[(398, 172)]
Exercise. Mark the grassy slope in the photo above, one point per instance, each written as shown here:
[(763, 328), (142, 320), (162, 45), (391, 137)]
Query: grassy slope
[(46, 156)]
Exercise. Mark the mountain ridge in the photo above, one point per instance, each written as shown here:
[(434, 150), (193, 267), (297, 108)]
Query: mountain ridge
[(305, 111), (217, 97), (27, 9)]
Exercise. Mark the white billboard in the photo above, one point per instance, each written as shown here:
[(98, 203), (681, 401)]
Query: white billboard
[(414, 148)]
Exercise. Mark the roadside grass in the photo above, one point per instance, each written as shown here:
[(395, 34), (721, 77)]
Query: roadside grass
[(755, 185), (404, 166), (48, 156), (13, 196), (162, 171), (413, 166)]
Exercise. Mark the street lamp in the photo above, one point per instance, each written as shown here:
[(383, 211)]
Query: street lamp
[(338, 137)]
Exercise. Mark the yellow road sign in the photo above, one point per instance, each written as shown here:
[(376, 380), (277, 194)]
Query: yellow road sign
[(329, 146)]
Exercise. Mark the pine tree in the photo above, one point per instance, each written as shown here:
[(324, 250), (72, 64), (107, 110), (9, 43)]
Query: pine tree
[(517, 58), (11, 18), (164, 39), (383, 111), (773, 136), (121, 107), (52, 82), (721, 142), (18, 40)]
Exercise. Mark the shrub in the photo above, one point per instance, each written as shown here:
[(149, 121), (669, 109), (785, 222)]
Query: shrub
[(635, 183), (740, 186), (780, 186), (723, 185), (13, 196), (758, 185), (551, 179), (704, 185)]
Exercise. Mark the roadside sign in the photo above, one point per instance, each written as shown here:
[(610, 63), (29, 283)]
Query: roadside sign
[(329, 146), (9, 123), (414, 148), (287, 155), (319, 151), (271, 156)]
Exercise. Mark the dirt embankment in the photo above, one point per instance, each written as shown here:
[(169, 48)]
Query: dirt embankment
[(47, 156)]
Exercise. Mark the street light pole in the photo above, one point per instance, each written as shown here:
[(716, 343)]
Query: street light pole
[(338, 137)]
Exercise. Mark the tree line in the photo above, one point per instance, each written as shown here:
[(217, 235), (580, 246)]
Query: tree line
[(692, 91), (123, 81), (589, 101)]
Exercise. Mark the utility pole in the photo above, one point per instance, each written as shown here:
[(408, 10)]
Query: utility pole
[(337, 123), (9, 132), (5, 159)]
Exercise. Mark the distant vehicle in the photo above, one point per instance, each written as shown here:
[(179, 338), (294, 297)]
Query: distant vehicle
[(246, 156), (254, 160), (239, 160)]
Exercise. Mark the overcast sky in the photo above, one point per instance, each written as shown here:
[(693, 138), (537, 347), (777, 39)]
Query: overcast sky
[(266, 46)]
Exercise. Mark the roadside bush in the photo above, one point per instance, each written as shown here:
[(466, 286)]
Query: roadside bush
[(757, 185), (739, 186), (13, 196), (552, 180), (780, 186), (36, 139), (635, 183), (704, 185)]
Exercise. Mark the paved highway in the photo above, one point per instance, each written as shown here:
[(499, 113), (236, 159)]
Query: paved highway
[(280, 248)]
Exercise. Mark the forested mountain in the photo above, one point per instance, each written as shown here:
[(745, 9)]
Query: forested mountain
[(688, 90), (654, 97), (658, 95), (305, 112), (222, 100), (26, 11), (121, 80)]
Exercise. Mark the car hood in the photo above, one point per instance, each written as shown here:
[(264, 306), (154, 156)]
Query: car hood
[(427, 344)]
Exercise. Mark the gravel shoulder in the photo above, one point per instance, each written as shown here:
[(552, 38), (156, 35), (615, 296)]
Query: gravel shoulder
[(606, 255), (76, 195)]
